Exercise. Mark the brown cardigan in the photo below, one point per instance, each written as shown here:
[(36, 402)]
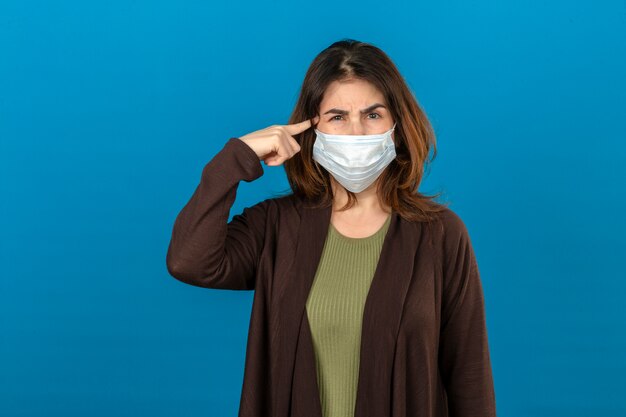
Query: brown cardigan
[(424, 348)]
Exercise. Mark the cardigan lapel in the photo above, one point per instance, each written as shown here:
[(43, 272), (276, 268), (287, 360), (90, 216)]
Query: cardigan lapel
[(295, 377), (381, 317)]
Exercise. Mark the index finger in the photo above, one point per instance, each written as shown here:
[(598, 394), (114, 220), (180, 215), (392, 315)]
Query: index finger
[(298, 127)]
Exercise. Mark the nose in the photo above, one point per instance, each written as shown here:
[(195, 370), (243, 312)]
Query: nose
[(356, 128)]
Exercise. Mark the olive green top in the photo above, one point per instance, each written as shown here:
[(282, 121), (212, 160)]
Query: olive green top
[(335, 311)]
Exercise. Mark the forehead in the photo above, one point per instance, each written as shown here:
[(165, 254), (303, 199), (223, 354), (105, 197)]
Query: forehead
[(351, 94)]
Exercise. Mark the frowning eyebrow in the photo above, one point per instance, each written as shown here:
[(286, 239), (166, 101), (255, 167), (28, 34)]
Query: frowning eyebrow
[(367, 110)]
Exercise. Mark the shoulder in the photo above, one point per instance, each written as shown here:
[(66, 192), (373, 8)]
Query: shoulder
[(450, 230), (287, 208), (281, 204), (291, 204), (275, 208), (450, 222)]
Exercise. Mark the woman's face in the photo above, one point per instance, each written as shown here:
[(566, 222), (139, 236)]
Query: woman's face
[(354, 107)]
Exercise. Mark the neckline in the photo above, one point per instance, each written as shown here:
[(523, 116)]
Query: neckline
[(373, 236)]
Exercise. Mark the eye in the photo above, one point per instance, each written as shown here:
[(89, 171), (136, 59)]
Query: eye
[(379, 116), (333, 118)]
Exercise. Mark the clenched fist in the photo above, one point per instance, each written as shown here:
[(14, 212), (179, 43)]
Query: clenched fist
[(275, 144)]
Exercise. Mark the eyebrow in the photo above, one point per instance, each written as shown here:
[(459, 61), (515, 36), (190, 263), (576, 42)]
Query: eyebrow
[(367, 110)]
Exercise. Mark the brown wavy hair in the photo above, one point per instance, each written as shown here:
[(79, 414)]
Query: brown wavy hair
[(414, 136)]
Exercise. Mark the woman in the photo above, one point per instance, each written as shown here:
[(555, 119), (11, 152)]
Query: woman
[(368, 300)]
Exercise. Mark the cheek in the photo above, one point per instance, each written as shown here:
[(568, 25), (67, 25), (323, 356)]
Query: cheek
[(328, 127)]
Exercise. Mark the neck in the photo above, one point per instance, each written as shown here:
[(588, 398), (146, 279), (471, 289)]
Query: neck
[(367, 200)]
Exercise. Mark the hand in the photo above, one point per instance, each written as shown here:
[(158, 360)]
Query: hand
[(275, 144)]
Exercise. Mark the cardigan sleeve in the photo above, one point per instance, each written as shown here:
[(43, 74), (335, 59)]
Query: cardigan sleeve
[(205, 249), (464, 359)]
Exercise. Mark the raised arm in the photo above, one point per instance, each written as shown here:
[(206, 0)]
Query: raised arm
[(464, 359), (207, 251)]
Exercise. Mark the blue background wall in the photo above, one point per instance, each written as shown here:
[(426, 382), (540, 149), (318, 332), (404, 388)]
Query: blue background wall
[(109, 111)]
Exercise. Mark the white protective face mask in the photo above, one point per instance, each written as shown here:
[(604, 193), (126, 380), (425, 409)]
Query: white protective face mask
[(355, 161)]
